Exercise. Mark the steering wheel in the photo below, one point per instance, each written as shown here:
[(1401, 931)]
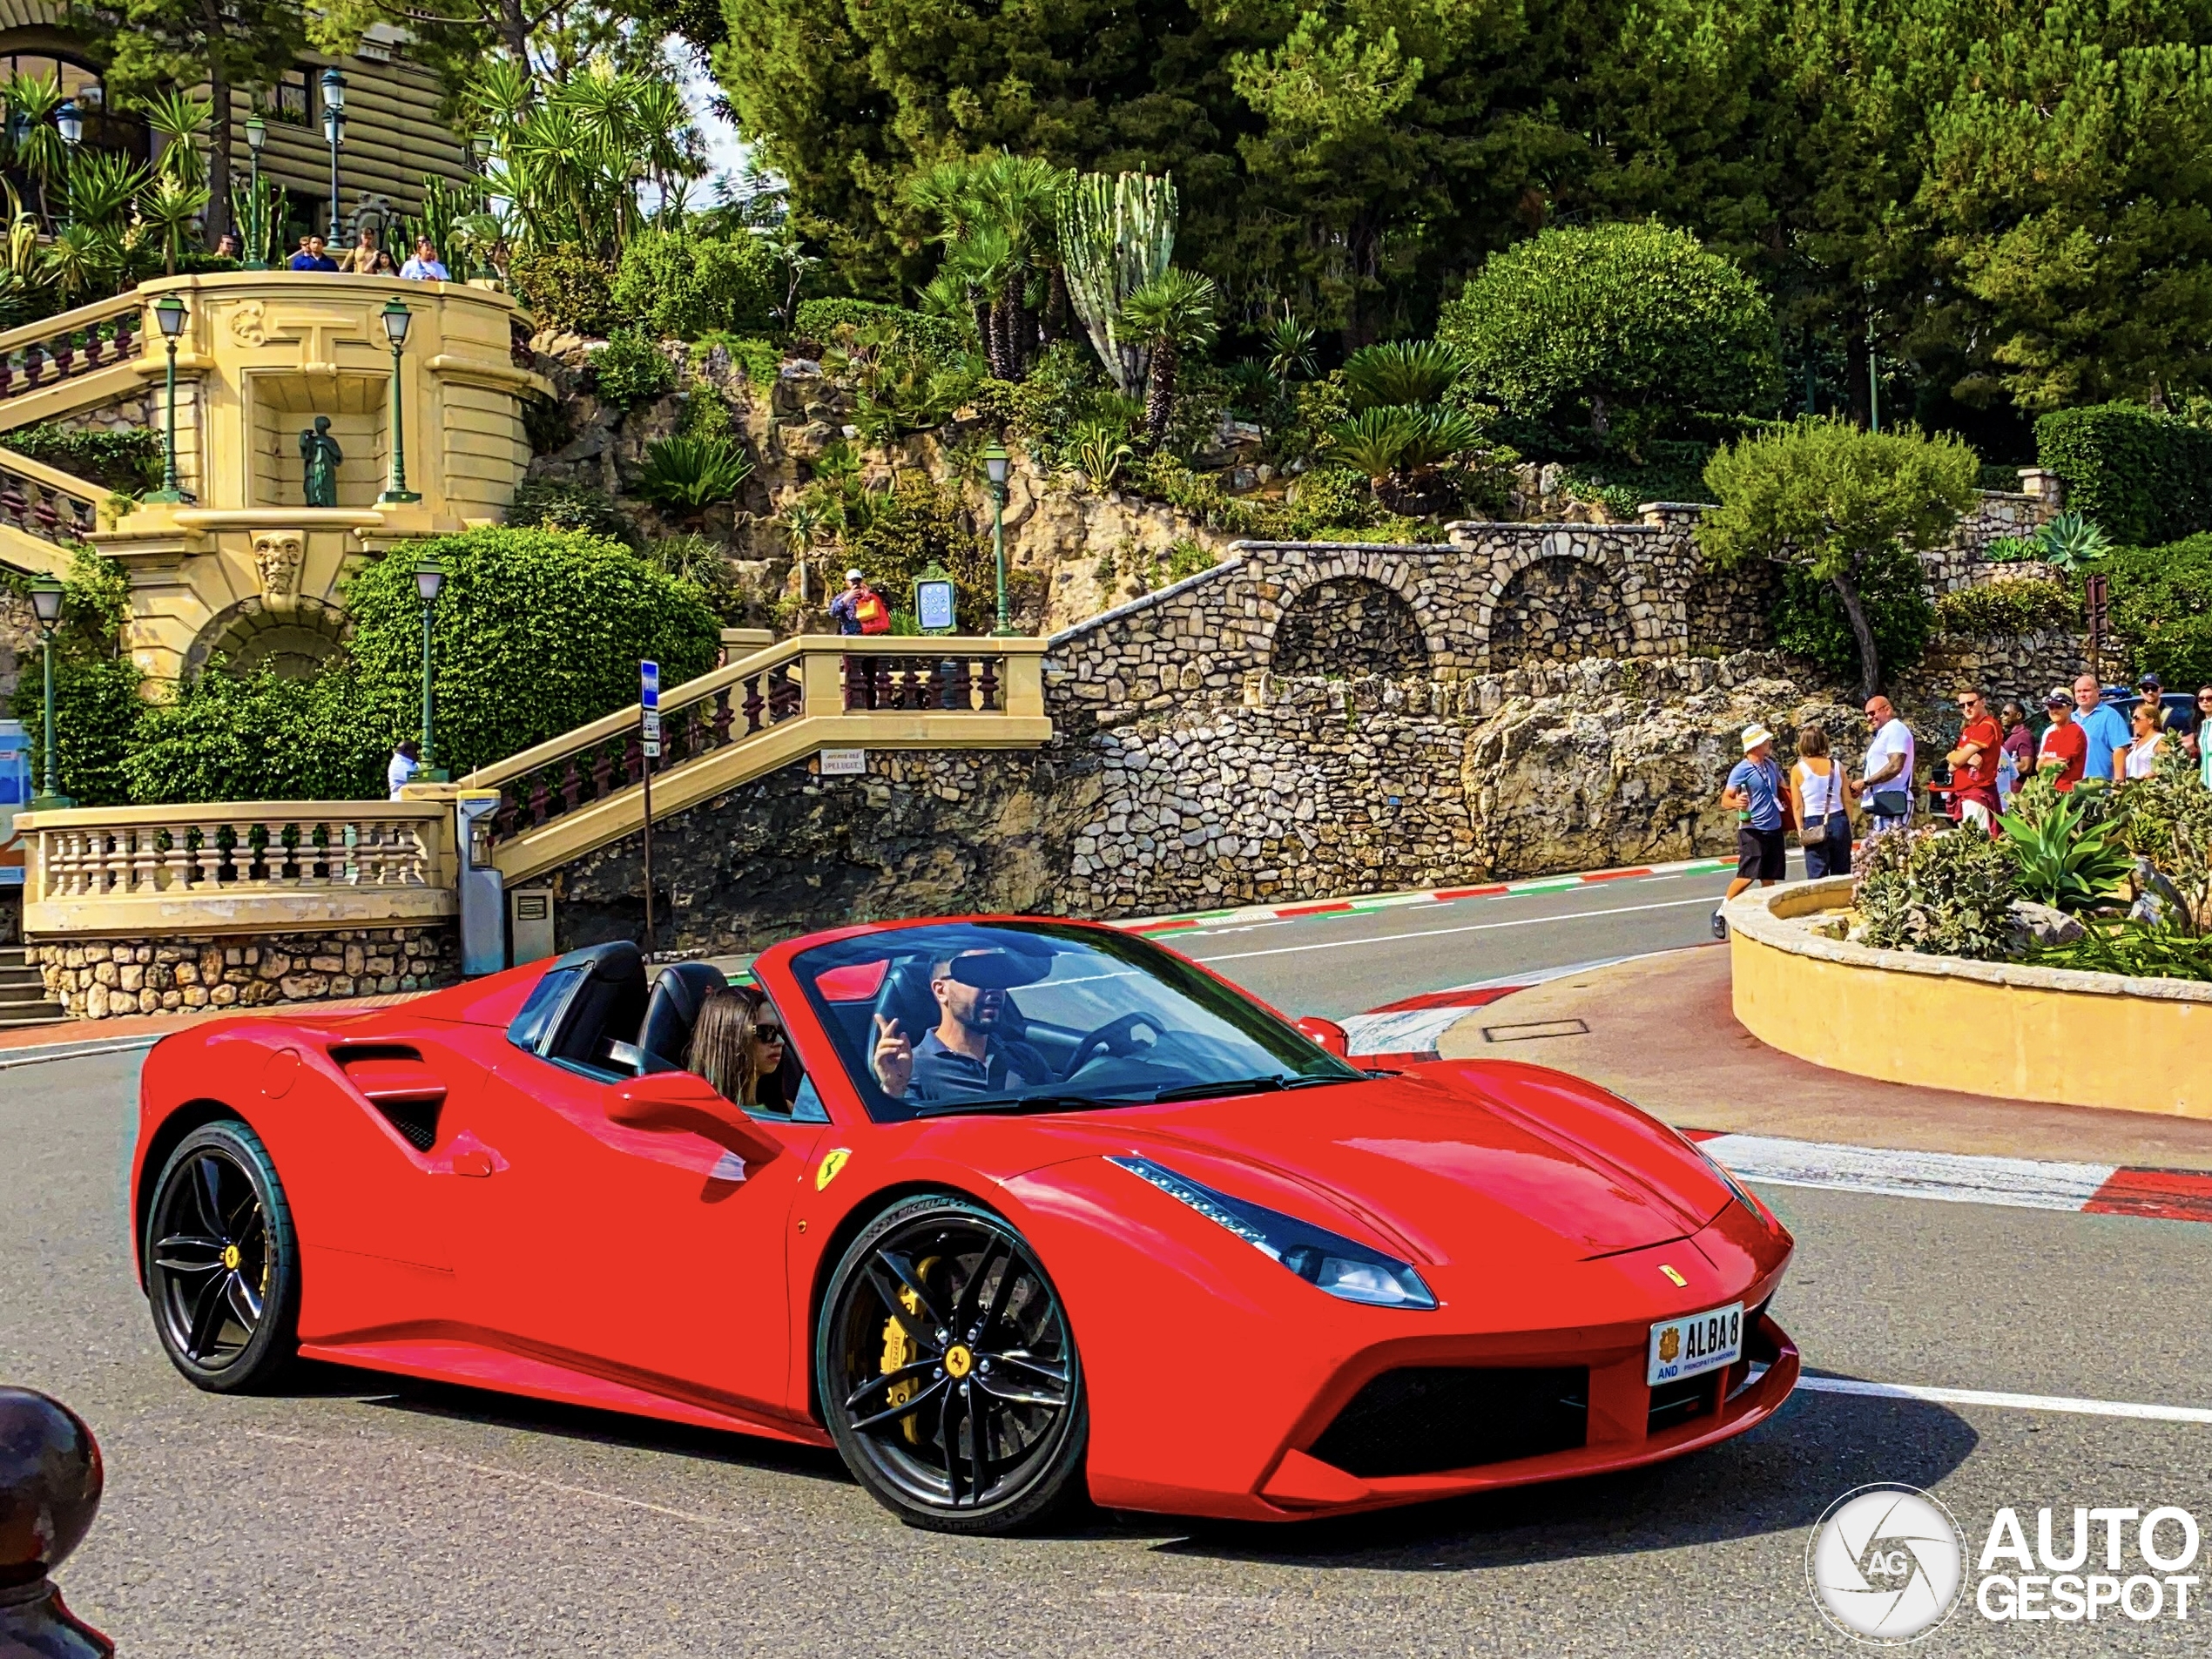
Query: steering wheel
[(1114, 1038)]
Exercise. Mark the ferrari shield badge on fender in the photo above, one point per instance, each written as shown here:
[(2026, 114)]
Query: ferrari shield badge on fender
[(832, 1162)]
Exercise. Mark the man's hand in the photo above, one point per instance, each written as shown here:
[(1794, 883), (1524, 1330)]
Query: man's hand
[(893, 1061), (1736, 800)]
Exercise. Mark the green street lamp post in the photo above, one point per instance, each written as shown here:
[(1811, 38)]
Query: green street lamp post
[(480, 146), (996, 466), (333, 128), (396, 318), (256, 134), (46, 605), (169, 312), (430, 577)]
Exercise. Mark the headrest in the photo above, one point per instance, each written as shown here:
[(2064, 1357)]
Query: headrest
[(679, 991)]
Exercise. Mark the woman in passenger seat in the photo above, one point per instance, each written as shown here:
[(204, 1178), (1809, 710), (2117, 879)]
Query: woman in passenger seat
[(737, 1045)]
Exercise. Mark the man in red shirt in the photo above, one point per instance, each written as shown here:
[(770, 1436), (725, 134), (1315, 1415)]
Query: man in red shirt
[(2065, 747), (1973, 762)]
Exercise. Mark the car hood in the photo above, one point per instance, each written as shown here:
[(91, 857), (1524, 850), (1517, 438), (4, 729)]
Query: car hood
[(1447, 1163)]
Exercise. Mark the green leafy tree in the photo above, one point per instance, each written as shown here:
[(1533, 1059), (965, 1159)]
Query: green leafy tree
[(1835, 502), (154, 47), (536, 632), (1633, 327)]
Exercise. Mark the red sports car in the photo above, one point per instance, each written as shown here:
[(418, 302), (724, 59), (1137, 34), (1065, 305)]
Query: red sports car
[(1005, 1209)]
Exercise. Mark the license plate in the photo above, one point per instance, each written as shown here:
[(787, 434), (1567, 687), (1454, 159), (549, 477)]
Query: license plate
[(1695, 1344)]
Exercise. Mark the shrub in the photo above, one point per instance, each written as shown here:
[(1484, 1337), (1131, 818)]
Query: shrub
[(564, 288), (819, 321), (630, 369), (1187, 557), (128, 461), (96, 687), (761, 360), (537, 631), (2161, 605), (1938, 892), (920, 523), (1400, 371), (2145, 478), (1627, 325), (544, 504), (2008, 608), (678, 286), (262, 738), (1810, 620), (692, 474), (705, 566)]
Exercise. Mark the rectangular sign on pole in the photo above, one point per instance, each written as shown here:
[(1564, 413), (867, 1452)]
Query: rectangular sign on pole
[(649, 685), (653, 733)]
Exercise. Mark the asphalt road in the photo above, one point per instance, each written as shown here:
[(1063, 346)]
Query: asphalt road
[(364, 1516)]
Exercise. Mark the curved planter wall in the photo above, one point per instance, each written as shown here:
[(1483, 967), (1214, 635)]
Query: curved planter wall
[(2035, 1034)]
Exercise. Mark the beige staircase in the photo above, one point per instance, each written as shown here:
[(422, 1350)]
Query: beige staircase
[(22, 992)]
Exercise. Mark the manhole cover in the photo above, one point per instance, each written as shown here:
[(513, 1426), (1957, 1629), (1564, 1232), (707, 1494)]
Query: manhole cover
[(1535, 1028)]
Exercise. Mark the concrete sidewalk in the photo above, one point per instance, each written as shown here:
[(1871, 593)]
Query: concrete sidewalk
[(1660, 1031)]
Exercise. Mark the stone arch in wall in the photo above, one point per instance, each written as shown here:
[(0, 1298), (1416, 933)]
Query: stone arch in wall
[(1350, 626), (295, 643), (1558, 606)]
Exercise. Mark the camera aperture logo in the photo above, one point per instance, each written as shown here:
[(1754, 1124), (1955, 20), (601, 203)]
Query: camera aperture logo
[(1886, 1564)]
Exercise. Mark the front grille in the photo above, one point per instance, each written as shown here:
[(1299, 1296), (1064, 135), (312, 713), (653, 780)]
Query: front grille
[(1428, 1419), (1675, 1404)]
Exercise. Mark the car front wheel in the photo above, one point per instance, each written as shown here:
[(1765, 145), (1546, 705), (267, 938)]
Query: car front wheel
[(947, 1372), (222, 1261)]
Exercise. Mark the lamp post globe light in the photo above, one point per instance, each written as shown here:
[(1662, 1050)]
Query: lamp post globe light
[(71, 120), (334, 126), (396, 317), (169, 312), (256, 134), (997, 465), (46, 605), (430, 577)]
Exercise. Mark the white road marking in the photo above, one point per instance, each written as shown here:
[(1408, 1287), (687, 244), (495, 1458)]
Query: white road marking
[(1469, 927), (1414, 1031), (2011, 1402), (1951, 1178)]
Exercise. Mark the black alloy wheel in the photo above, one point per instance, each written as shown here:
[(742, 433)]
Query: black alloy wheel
[(222, 1262), (948, 1374)]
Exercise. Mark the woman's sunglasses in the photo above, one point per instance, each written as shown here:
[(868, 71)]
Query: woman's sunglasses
[(768, 1033)]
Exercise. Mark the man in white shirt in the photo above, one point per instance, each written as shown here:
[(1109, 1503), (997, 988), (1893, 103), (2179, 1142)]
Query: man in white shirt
[(424, 266), (407, 761), (1889, 766)]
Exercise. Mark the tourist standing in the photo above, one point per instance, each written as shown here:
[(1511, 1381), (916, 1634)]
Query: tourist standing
[(1824, 820), (424, 266), (2204, 734), (365, 257), (407, 761), (2103, 728), (2064, 751), (1754, 793), (1887, 783), (311, 256), (2017, 759), (860, 609), (1973, 762), (2149, 737)]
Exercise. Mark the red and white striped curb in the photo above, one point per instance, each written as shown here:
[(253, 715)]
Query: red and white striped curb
[(1246, 914), (1406, 1032), (1956, 1177)]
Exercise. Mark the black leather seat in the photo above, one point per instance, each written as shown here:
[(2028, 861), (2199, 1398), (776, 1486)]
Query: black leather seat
[(906, 997), (587, 1001), (679, 991)]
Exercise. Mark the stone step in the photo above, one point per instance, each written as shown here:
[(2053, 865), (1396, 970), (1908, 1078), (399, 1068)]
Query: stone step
[(14, 978), (12, 956), (19, 1013)]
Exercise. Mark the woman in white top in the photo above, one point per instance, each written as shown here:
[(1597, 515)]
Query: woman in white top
[(2142, 753), (1824, 817)]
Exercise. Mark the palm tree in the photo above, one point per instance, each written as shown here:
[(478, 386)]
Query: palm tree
[(1172, 313)]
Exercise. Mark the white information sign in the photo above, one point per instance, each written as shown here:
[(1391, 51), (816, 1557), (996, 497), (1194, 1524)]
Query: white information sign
[(653, 733), (934, 606), (844, 763)]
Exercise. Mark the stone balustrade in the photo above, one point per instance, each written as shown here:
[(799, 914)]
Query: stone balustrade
[(46, 353)]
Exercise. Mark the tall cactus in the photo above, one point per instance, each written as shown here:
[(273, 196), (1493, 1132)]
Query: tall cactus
[(1116, 235)]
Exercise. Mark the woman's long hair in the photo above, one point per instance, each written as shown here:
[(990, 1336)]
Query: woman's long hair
[(726, 1044)]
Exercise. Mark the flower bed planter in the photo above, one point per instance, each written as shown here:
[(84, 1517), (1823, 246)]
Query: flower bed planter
[(2032, 1033)]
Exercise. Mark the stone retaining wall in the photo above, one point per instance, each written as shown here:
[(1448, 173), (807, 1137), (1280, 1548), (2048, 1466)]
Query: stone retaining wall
[(101, 978)]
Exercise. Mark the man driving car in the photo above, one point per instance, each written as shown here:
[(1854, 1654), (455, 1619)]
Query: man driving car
[(966, 1054)]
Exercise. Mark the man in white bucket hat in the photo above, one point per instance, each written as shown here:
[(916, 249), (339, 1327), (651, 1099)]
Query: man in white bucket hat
[(1754, 795)]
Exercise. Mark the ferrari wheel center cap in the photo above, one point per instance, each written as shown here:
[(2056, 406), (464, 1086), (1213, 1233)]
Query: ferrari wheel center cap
[(230, 1257), (958, 1360)]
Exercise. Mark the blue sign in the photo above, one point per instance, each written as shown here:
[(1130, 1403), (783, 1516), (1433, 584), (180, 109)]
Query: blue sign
[(649, 685)]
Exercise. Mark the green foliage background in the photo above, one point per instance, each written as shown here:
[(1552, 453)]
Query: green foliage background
[(2142, 477), (2162, 602), (1809, 620), (675, 285)]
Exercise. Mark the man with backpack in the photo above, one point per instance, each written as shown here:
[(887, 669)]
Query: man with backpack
[(860, 609)]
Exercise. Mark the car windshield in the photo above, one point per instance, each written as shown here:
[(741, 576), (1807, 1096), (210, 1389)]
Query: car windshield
[(1031, 1016)]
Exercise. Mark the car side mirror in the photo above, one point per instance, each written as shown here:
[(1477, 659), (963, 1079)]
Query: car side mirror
[(683, 1101), (1328, 1034)]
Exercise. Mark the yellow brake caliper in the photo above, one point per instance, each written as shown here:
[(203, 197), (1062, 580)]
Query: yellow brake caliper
[(899, 1349)]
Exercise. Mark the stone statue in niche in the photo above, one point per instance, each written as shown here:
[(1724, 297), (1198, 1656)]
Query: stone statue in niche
[(276, 555), (320, 453)]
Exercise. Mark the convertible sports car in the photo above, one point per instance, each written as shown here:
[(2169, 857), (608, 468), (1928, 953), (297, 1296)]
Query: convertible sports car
[(1027, 1209)]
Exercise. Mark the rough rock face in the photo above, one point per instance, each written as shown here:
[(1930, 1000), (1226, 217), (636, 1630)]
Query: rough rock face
[(106, 977)]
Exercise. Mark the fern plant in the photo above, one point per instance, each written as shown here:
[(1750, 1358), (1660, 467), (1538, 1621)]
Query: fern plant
[(690, 475)]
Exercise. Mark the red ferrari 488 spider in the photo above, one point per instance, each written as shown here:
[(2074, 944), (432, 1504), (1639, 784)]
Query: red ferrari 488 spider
[(1010, 1210)]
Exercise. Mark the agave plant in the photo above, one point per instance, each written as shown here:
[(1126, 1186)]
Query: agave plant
[(1099, 450), (2070, 541), (691, 475), (2064, 863), (1400, 371)]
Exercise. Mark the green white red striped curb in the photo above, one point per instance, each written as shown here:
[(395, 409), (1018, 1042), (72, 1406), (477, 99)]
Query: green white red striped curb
[(1246, 914)]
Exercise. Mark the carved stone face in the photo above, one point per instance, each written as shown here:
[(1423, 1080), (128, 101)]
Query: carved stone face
[(276, 555)]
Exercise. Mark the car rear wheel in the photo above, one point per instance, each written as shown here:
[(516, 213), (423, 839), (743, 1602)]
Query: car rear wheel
[(948, 1372), (222, 1260)]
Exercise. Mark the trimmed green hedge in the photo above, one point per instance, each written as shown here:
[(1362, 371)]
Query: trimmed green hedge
[(2008, 608), (2143, 478), (259, 737), (933, 337), (675, 285), (2162, 604)]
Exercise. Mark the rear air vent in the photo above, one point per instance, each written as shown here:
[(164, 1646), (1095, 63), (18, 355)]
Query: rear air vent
[(394, 1079), (1425, 1420)]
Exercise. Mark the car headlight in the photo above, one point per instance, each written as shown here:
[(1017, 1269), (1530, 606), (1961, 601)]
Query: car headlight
[(1343, 1267), (1757, 1211)]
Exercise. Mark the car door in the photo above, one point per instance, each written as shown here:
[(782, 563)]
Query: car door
[(650, 1258)]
